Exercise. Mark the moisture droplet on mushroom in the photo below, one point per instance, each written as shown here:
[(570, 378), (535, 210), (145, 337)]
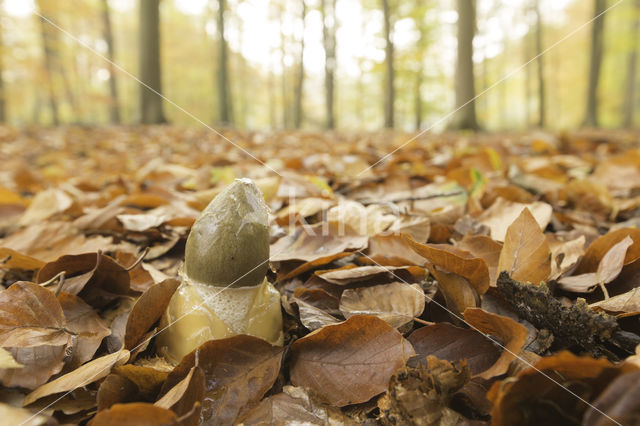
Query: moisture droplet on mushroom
[(224, 291)]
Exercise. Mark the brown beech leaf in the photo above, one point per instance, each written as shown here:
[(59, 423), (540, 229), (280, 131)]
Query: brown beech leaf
[(149, 380), (460, 262), (182, 398), (147, 311), (116, 389), (502, 213), (350, 362), (134, 414), (526, 253), (511, 334), (350, 274), (485, 248), (308, 266), (396, 303), (139, 277), (87, 325), (92, 276), (293, 406), (451, 343), (80, 377), (11, 259), (458, 293), (597, 249), (608, 270), (392, 250), (524, 399), (564, 254), (313, 317), (239, 370), (32, 329), (619, 401), (626, 303), (311, 243)]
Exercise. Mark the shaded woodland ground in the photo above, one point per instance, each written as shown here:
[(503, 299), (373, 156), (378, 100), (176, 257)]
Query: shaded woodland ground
[(413, 321)]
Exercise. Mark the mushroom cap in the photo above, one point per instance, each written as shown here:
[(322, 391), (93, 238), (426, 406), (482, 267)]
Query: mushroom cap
[(229, 243)]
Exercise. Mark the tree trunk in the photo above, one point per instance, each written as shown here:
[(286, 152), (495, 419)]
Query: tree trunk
[(329, 42), (542, 122), (630, 92), (298, 113), (224, 93), (114, 104), (150, 72), (465, 116), (389, 91), (283, 77), (47, 46), (591, 117)]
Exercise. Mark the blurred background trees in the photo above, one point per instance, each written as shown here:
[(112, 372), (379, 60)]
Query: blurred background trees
[(316, 64)]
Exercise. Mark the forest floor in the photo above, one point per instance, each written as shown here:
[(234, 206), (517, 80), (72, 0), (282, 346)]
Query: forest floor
[(491, 278)]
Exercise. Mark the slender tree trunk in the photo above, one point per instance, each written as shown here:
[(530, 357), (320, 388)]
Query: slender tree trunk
[(418, 100), (542, 122), (329, 41), (591, 117), (283, 85), (389, 92), (114, 104), (632, 66), (465, 116), (527, 81), (273, 120), (47, 46), (150, 72), (224, 92), (298, 113)]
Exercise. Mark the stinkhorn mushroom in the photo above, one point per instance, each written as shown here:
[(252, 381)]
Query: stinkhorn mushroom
[(224, 291)]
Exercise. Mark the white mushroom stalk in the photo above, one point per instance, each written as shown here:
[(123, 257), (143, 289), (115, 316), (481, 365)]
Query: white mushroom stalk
[(224, 291)]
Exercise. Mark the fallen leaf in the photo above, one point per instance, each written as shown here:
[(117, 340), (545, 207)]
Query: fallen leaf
[(597, 249), (314, 242), (32, 329), (608, 270), (148, 379), (238, 370), (347, 275), (392, 250), (512, 337), (521, 399), (350, 362), (147, 311), (564, 254), (313, 317), (618, 401), (293, 406), (502, 213), (92, 276), (134, 414), (182, 398), (627, 303), (451, 343), (11, 259), (80, 377), (525, 254), (485, 248), (44, 205), (86, 324), (396, 303), (458, 292), (459, 262), (115, 389)]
